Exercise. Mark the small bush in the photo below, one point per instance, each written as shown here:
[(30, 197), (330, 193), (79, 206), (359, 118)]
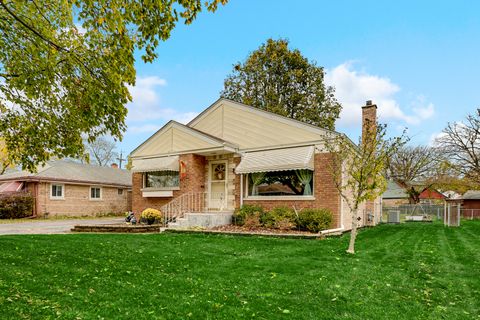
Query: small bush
[(16, 205), (248, 215), (282, 218), (314, 220), (151, 215)]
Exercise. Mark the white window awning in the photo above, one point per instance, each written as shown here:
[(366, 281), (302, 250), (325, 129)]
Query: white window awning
[(155, 164), (277, 160)]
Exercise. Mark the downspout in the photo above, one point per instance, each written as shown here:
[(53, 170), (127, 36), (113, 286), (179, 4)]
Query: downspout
[(241, 190), (36, 199)]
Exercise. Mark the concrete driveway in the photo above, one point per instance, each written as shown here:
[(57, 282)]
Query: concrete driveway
[(46, 226)]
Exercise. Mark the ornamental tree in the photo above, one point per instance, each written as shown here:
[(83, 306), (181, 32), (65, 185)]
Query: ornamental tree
[(358, 171), (65, 67), (280, 80), (460, 142)]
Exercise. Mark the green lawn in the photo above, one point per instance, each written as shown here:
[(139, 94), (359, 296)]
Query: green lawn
[(408, 271)]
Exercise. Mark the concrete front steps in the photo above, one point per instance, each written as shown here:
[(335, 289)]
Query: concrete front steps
[(203, 220)]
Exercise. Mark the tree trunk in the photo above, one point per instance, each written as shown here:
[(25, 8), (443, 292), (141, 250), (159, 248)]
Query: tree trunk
[(353, 233)]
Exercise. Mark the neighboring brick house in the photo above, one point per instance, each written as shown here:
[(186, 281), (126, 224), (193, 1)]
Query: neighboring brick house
[(233, 154), (68, 188)]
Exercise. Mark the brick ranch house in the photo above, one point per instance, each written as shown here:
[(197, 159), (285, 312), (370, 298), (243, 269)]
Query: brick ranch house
[(233, 154), (68, 188)]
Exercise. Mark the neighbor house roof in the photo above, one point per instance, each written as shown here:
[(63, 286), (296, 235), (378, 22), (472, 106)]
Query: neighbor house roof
[(471, 195), (394, 191), (73, 172)]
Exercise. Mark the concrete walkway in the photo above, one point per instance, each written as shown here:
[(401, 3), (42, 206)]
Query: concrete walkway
[(45, 226)]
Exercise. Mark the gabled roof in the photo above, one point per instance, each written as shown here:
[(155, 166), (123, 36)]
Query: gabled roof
[(73, 172), (265, 113), (176, 137), (230, 126), (251, 128), (394, 191), (471, 195)]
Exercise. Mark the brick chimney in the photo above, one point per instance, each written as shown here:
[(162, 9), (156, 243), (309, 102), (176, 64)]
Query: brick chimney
[(369, 124), (114, 166), (369, 119)]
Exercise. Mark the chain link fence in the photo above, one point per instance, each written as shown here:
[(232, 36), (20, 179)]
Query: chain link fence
[(412, 212)]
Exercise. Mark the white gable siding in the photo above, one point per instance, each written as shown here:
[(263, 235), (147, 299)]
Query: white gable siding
[(172, 139), (250, 128)]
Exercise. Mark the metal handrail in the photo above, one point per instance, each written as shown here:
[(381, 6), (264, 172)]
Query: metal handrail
[(191, 202)]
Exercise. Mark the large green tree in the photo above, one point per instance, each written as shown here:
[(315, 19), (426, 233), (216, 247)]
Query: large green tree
[(278, 79), (65, 67)]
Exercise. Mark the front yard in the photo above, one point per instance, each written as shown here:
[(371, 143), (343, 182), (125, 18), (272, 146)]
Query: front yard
[(408, 271)]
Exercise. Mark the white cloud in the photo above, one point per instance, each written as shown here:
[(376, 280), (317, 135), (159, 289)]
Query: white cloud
[(146, 106), (146, 128), (353, 88), (145, 103), (434, 137)]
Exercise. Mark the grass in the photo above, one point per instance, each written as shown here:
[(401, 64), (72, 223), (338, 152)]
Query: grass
[(408, 271)]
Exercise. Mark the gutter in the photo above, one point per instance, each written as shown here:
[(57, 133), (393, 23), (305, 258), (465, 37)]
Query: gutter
[(66, 181)]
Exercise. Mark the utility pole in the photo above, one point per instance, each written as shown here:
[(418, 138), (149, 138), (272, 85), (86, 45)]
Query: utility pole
[(120, 159)]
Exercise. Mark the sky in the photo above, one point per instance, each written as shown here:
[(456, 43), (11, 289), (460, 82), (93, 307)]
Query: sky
[(417, 60)]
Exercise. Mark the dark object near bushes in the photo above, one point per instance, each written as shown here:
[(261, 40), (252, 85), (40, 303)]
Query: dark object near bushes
[(16, 205), (248, 215), (314, 220), (282, 218)]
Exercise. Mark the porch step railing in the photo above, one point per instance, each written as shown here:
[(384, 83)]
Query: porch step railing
[(192, 202)]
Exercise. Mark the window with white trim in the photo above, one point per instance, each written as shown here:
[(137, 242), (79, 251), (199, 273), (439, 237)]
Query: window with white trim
[(56, 191), (95, 193), (298, 183)]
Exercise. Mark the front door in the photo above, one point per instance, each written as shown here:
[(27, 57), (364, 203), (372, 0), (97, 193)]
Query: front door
[(217, 185)]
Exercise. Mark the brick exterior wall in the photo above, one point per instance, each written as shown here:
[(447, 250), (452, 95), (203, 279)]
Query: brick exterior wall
[(76, 201), (369, 124), (194, 181), (326, 195)]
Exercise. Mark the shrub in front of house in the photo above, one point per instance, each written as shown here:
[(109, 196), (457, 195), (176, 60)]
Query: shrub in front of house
[(249, 216), (282, 218), (150, 216), (16, 205), (314, 220)]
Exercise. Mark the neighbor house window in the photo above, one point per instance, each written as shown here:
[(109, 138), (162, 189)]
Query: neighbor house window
[(95, 193), (120, 192), (280, 183), (162, 179), (56, 191)]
